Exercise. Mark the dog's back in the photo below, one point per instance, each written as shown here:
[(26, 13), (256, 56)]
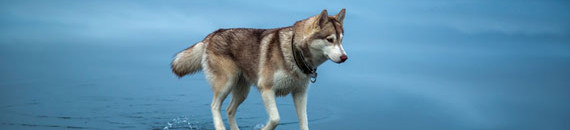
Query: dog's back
[(241, 45), (221, 42)]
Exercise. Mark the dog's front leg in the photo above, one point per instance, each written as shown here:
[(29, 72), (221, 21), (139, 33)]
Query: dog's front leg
[(300, 100), (268, 96)]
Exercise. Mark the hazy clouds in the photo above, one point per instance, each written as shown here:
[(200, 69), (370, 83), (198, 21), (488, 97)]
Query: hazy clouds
[(124, 19)]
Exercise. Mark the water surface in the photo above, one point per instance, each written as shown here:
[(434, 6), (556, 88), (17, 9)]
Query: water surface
[(412, 65)]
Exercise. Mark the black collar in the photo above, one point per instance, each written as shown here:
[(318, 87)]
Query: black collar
[(301, 62)]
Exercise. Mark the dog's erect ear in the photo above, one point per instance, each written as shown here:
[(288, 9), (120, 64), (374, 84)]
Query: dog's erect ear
[(322, 19), (340, 16)]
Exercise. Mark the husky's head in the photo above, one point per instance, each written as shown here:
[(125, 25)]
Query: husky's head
[(323, 36)]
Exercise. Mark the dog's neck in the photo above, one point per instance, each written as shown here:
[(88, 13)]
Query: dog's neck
[(304, 57), (300, 59), (314, 57)]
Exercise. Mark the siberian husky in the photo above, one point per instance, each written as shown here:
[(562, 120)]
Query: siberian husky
[(276, 61)]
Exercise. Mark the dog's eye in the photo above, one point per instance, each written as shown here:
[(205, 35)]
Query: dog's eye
[(330, 40)]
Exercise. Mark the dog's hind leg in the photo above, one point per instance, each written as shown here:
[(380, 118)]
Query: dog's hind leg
[(239, 93), (222, 74)]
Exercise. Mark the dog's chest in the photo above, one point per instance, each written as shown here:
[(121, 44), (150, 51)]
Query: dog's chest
[(284, 83)]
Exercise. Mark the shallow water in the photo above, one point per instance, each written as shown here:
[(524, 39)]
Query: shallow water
[(100, 65), (86, 94), (90, 87)]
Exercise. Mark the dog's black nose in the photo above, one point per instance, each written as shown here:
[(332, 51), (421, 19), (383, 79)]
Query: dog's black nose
[(343, 58)]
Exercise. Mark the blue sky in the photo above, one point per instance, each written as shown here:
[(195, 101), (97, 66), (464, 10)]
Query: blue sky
[(412, 64), (108, 19)]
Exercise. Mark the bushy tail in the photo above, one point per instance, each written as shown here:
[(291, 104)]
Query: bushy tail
[(188, 61)]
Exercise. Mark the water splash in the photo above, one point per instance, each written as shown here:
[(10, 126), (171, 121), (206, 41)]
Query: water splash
[(181, 123), (258, 126)]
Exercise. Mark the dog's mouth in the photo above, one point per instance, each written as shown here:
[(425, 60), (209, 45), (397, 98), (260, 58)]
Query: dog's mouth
[(338, 61), (336, 57)]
